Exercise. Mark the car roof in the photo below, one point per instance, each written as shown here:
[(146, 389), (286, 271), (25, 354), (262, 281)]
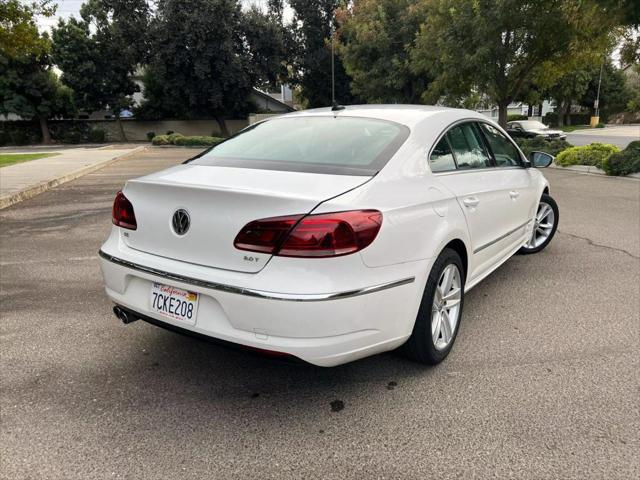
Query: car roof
[(409, 115)]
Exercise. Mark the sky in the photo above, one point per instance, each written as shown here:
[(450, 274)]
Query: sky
[(68, 8)]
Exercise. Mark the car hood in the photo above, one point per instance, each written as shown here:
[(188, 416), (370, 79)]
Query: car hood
[(546, 131)]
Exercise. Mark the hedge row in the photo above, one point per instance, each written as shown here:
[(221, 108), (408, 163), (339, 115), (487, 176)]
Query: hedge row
[(539, 144), (625, 162), (184, 141), (28, 133), (594, 155)]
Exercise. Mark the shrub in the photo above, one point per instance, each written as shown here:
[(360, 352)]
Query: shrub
[(169, 132), (4, 138), (173, 137), (97, 135), (516, 117), (600, 125), (539, 144), (624, 162), (550, 118), (72, 136), (594, 154), (150, 135), (197, 141), (161, 140)]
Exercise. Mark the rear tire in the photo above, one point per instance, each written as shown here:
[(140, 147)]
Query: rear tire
[(546, 224), (442, 301)]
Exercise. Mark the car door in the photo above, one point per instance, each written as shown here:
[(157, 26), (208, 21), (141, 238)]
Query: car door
[(463, 165), (515, 183)]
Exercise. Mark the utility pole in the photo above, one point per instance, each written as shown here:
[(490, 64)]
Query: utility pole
[(596, 104)]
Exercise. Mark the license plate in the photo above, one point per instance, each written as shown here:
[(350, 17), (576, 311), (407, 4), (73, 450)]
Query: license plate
[(174, 303)]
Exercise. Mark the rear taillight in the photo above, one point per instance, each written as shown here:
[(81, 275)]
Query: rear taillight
[(323, 235), (123, 215)]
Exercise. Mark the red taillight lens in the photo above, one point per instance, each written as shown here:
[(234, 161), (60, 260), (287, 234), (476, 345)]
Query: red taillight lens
[(123, 215), (265, 235), (323, 235)]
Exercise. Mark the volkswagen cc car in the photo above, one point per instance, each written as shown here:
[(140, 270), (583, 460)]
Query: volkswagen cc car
[(329, 234)]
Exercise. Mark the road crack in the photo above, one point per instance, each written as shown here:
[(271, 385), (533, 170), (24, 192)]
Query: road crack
[(594, 244)]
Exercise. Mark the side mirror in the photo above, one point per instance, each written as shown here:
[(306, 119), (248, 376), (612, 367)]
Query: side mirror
[(541, 159)]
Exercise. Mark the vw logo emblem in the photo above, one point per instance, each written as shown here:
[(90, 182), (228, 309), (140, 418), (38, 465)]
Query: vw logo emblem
[(181, 222)]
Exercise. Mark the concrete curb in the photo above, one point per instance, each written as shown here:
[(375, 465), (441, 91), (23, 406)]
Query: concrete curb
[(591, 170), (30, 192), (582, 168)]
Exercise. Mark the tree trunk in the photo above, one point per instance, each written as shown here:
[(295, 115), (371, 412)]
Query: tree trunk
[(44, 128), (123, 137), (530, 111), (567, 113), (503, 110), (223, 126), (561, 114)]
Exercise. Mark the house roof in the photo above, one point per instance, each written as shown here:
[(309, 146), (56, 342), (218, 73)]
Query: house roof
[(269, 98)]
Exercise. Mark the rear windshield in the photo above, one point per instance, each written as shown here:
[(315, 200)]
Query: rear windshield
[(334, 145)]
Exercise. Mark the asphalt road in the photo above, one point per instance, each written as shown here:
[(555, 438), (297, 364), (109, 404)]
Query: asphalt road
[(542, 383), (618, 135)]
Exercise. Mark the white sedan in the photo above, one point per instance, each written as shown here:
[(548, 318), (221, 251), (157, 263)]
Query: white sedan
[(329, 234)]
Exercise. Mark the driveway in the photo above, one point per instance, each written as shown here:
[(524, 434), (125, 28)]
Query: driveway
[(619, 135), (542, 382)]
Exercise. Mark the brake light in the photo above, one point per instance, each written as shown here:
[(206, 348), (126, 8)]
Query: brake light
[(322, 235), (123, 215), (265, 235)]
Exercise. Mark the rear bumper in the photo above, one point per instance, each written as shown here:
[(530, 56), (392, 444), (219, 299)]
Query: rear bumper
[(324, 329)]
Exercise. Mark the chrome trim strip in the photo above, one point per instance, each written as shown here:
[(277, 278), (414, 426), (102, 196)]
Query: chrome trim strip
[(250, 292), (501, 237)]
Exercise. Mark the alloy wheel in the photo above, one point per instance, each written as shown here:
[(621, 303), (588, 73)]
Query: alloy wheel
[(543, 226), (445, 311)]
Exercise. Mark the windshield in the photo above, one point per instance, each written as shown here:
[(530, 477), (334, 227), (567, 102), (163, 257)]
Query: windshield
[(335, 145), (532, 125)]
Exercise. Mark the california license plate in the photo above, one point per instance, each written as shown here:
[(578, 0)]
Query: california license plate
[(174, 303)]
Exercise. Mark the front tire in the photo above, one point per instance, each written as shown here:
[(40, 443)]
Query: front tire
[(438, 320), (546, 224)]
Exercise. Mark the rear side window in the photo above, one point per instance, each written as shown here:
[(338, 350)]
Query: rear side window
[(335, 145), (504, 152), (468, 148), (441, 157)]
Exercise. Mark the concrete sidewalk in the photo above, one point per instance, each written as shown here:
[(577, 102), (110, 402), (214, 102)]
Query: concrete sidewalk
[(25, 180)]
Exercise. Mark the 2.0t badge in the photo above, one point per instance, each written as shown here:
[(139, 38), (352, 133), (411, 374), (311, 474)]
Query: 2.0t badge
[(181, 222)]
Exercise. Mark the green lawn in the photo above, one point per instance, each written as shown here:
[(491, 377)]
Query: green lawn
[(571, 128), (11, 158)]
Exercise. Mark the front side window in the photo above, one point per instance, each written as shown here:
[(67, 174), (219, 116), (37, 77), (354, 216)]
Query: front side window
[(468, 148), (315, 144), (441, 159), (504, 152)]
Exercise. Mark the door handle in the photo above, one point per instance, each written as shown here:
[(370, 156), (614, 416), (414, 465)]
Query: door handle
[(514, 194), (471, 201)]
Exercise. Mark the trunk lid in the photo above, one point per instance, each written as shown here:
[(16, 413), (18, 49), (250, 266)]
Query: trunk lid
[(220, 201)]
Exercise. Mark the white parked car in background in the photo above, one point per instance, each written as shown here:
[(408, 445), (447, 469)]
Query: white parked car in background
[(329, 235)]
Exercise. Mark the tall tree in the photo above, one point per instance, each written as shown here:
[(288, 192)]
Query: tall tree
[(18, 30), (614, 93), (31, 90), (498, 45), (568, 89), (100, 52), (28, 86), (314, 23), (268, 43), (198, 66), (377, 38)]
